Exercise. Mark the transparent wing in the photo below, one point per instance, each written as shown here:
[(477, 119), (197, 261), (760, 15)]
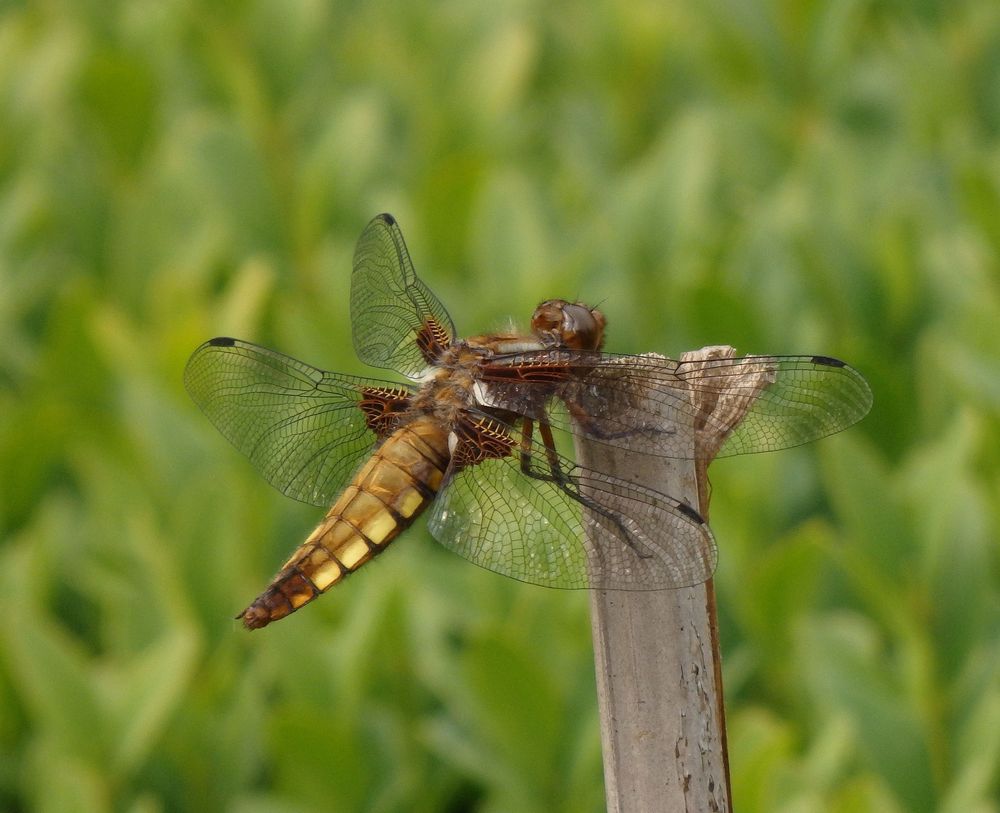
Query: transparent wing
[(636, 402), (810, 397), (585, 530), (397, 321), (302, 428)]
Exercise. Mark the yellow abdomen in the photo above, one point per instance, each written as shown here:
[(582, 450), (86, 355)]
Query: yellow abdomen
[(383, 499)]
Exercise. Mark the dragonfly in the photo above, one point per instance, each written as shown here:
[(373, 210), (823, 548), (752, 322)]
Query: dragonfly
[(482, 433)]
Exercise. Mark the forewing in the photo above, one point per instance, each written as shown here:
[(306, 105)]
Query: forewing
[(398, 322), (302, 428), (811, 397), (614, 534), (648, 403)]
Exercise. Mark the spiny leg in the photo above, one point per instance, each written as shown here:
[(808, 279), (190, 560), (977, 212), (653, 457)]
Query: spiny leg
[(563, 481)]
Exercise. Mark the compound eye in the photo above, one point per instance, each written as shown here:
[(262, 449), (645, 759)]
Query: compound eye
[(583, 327)]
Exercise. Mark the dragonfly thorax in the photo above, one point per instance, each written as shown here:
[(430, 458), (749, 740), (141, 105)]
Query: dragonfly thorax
[(450, 388)]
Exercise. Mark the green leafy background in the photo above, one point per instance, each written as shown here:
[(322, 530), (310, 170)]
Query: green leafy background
[(781, 175)]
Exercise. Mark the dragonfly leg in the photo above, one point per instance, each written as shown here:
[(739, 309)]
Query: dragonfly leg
[(565, 482)]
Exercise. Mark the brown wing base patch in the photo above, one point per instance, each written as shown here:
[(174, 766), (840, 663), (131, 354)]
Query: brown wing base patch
[(383, 408), (433, 339), (479, 440)]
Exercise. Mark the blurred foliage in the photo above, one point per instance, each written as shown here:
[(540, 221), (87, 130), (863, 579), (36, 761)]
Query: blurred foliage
[(779, 175)]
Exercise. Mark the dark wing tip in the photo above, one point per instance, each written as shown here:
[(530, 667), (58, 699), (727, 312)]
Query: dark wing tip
[(828, 361), (222, 341), (690, 513), (387, 218)]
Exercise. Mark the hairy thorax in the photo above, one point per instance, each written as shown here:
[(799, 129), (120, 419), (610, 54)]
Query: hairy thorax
[(450, 386)]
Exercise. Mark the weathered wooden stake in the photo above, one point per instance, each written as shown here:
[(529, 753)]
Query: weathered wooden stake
[(659, 668)]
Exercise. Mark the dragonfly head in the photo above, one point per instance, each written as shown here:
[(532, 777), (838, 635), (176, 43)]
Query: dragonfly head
[(569, 325)]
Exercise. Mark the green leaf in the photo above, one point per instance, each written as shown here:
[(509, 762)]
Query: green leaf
[(49, 670), (846, 674), (119, 91), (146, 693)]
